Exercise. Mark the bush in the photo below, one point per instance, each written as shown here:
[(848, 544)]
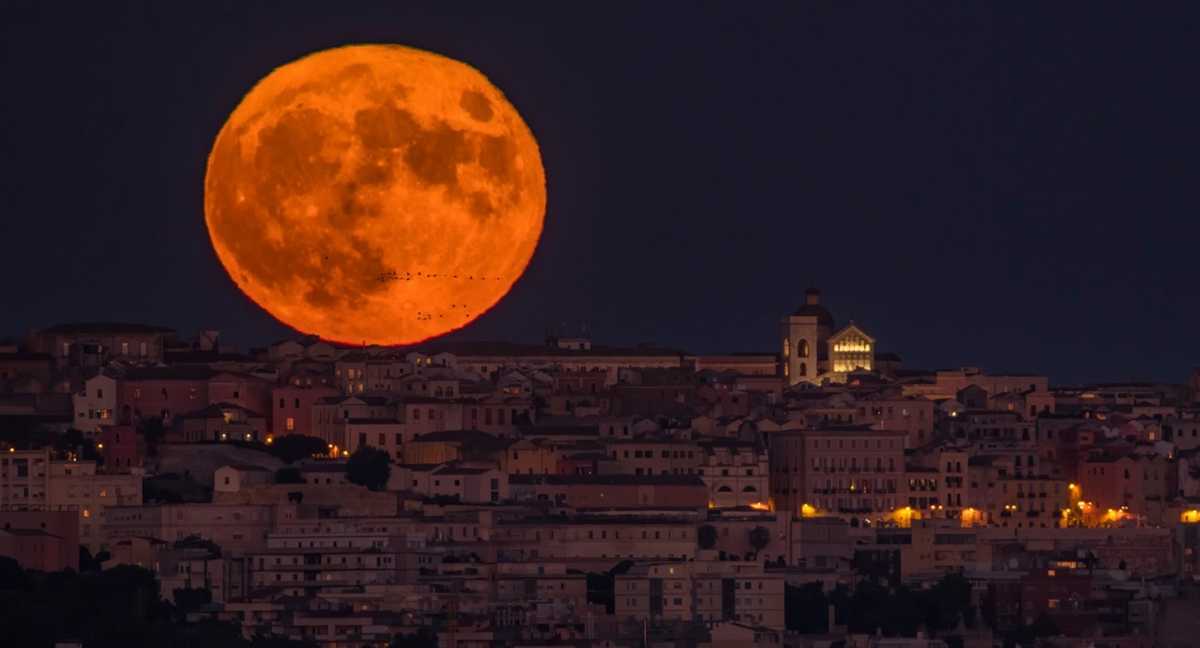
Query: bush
[(369, 467)]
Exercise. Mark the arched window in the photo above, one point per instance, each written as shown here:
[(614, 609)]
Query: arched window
[(802, 348), (803, 369), (749, 489)]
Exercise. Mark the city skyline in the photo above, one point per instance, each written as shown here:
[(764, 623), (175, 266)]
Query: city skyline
[(674, 325), (1014, 202)]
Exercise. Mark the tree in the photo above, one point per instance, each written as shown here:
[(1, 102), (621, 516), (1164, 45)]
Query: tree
[(273, 641), (424, 638), (946, 602), (188, 599), (369, 467), (90, 563), (294, 447), (806, 608), (153, 431), (289, 475), (760, 537), (706, 536), (74, 441), (601, 590)]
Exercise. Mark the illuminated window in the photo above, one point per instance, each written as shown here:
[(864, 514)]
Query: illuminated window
[(290, 424), (802, 350)]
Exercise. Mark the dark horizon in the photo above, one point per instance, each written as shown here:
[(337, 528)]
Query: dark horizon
[(977, 186)]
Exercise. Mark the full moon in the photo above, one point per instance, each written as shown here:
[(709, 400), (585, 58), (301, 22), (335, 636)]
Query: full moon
[(375, 194)]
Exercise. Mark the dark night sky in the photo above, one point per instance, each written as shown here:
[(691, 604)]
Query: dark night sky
[(994, 186)]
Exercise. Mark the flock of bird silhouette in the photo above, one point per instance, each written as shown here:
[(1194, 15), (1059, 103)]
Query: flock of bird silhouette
[(422, 316)]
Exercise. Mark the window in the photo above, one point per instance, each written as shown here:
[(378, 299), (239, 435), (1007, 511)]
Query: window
[(290, 424), (143, 349)]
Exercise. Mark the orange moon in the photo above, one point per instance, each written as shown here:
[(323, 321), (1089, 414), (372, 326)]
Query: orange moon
[(375, 194)]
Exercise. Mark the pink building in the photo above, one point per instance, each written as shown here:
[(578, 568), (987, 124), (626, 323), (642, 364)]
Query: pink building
[(852, 471), (171, 391), (613, 491), (41, 539), (162, 392), (121, 448), (292, 408)]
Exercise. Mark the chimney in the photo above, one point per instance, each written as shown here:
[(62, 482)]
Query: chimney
[(812, 297)]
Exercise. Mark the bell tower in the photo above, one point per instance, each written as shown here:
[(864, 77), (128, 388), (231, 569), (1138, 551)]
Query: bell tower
[(804, 336)]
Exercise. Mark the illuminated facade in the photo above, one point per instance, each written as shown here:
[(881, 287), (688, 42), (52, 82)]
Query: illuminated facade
[(852, 472), (850, 349)]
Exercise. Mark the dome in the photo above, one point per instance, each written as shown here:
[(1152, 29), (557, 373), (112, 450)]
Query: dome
[(812, 308), (824, 317)]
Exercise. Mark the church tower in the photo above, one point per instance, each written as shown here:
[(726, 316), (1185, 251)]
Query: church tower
[(805, 334)]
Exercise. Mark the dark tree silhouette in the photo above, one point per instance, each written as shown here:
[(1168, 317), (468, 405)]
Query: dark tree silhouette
[(153, 431), (760, 537), (369, 467), (806, 608), (294, 447), (117, 608), (289, 475)]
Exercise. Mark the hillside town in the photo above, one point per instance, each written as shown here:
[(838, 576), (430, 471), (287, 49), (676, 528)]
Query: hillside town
[(476, 494)]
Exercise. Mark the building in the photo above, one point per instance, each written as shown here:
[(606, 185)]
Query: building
[(77, 486), (850, 349), (94, 344), (96, 404), (704, 591), (292, 408), (850, 471), (612, 491), (805, 334), (234, 527), (737, 473), (603, 540), (232, 479), (40, 539)]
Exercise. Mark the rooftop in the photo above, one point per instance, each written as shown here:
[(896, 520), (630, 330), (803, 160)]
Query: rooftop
[(98, 328), (607, 480)]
